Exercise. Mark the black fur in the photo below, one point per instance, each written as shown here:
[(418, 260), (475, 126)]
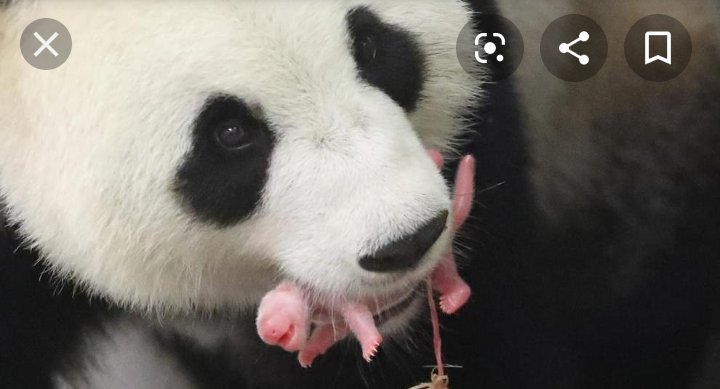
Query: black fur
[(220, 185), (388, 57), (41, 322)]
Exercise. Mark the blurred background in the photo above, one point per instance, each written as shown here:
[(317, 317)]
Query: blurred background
[(615, 282)]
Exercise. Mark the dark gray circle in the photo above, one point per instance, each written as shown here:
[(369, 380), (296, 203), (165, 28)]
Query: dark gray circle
[(46, 44), (583, 38), (499, 44), (662, 30)]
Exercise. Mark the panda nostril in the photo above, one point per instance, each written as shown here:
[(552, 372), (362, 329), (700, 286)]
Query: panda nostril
[(405, 253)]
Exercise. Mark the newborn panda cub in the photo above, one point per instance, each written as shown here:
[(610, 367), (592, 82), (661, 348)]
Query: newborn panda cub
[(284, 315)]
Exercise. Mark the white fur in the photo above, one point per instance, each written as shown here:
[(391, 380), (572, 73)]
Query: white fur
[(89, 151), (125, 354)]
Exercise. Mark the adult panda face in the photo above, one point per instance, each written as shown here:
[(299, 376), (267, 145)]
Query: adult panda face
[(193, 154)]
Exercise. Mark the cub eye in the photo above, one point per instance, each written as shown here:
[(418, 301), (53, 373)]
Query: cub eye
[(231, 135)]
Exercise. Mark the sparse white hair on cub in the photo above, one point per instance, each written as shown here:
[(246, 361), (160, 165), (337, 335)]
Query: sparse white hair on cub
[(89, 151)]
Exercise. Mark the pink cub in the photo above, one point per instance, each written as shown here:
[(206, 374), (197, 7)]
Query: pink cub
[(284, 318)]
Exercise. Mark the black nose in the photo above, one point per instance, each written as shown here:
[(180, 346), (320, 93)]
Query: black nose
[(406, 252)]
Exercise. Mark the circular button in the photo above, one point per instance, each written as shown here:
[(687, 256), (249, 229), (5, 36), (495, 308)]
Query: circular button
[(490, 42), (574, 48), (46, 44), (658, 48)]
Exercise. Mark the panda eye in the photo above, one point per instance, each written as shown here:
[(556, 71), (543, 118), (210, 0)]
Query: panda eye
[(388, 57), (221, 178), (366, 51), (231, 135)]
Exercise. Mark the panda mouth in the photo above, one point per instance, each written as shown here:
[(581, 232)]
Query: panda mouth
[(399, 306), (383, 308), (288, 318)]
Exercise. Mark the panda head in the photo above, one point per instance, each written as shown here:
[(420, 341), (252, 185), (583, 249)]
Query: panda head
[(192, 155)]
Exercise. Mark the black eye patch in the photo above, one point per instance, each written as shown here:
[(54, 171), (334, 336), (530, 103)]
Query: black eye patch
[(387, 56), (222, 177)]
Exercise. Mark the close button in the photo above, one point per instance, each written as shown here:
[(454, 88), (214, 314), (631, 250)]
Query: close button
[(46, 44)]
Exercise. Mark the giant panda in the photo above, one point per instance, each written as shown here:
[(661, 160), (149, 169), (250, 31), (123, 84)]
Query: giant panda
[(132, 258), (188, 156)]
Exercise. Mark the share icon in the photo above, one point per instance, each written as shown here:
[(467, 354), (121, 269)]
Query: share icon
[(565, 48)]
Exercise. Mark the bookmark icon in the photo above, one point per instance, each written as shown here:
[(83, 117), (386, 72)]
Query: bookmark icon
[(668, 51)]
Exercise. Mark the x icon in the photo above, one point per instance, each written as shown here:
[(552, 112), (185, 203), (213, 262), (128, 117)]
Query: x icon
[(46, 44)]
